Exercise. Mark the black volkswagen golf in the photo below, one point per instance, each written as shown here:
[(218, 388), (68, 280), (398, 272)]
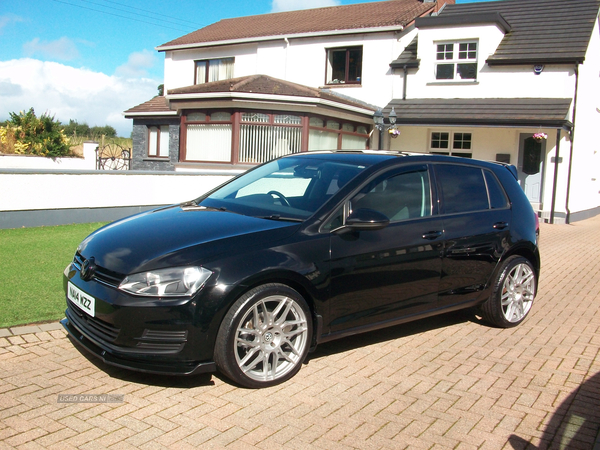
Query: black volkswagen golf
[(301, 250)]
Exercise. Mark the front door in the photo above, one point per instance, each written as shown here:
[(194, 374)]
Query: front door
[(531, 168), (385, 275)]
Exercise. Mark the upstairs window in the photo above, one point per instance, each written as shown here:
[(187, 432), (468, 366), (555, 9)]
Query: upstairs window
[(208, 70), (456, 61), (344, 65)]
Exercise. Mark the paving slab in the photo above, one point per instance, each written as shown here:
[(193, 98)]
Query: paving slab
[(448, 382)]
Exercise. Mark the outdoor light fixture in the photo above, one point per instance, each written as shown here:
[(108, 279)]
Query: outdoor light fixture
[(380, 124)]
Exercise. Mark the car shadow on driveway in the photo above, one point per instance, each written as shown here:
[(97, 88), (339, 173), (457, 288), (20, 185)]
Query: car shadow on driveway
[(322, 350), (394, 332), (575, 424)]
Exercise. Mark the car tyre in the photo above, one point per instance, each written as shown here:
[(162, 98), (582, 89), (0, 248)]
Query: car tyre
[(264, 337), (513, 293)]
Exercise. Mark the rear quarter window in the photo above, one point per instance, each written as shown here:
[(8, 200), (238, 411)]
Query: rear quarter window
[(497, 195)]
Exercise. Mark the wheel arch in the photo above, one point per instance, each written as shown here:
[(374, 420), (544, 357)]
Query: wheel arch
[(290, 279), (531, 254)]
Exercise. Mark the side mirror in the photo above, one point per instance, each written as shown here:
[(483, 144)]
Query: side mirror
[(366, 219)]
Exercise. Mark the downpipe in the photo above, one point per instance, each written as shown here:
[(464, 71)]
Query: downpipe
[(568, 218)]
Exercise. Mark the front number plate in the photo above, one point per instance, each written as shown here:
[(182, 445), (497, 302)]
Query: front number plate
[(85, 301)]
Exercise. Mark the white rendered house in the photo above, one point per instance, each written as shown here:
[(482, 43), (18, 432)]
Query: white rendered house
[(474, 80)]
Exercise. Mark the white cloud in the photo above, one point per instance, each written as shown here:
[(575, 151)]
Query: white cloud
[(71, 93), (137, 64), (63, 48), (292, 5), (8, 18)]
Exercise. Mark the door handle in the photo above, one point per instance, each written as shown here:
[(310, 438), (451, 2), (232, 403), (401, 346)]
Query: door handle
[(431, 235), (500, 225)]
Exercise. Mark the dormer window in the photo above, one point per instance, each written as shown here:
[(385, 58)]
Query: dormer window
[(344, 65), (213, 70), (456, 61)]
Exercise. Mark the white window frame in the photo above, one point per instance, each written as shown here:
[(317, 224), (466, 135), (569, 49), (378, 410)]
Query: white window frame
[(456, 54), (452, 150), (158, 141)]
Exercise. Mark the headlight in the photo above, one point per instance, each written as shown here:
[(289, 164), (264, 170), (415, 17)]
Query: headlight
[(173, 282)]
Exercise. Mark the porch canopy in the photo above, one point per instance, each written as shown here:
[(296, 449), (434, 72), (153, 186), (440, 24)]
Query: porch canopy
[(490, 112)]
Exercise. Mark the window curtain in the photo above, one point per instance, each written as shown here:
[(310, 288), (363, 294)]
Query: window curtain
[(209, 143), (200, 72), (260, 143), (152, 141), (322, 140), (350, 142), (164, 141)]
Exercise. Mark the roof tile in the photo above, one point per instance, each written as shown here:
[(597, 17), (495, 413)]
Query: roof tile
[(263, 84), (347, 17), (156, 104), (542, 31), (551, 112)]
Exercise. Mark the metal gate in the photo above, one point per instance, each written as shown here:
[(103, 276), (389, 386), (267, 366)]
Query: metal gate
[(113, 157)]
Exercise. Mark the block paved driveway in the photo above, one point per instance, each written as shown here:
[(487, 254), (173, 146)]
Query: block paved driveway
[(442, 383)]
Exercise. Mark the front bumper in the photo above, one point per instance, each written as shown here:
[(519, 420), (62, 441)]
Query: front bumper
[(79, 337)]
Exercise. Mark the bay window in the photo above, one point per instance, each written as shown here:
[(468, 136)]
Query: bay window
[(254, 137), (208, 137), (267, 136), (333, 135)]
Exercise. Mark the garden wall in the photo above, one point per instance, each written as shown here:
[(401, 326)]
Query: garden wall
[(30, 198), (88, 162), (41, 192)]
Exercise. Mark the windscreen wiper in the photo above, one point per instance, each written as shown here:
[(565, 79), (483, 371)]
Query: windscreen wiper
[(281, 218), (193, 205)]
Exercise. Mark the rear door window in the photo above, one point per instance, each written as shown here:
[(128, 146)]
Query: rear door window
[(463, 188)]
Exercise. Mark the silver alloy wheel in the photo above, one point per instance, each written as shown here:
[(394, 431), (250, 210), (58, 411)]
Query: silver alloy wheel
[(518, 292), (271, 338)]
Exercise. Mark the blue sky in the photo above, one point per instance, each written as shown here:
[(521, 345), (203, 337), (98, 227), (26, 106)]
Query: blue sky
[(90, 60)]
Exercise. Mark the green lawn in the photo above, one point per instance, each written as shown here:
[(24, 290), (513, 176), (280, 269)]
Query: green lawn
[(32, 261)]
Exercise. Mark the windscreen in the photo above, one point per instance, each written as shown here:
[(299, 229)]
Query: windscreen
[(288, 188)]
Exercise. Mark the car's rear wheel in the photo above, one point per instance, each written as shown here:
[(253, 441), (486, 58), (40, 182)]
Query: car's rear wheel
[(513, 293), (265, 336)]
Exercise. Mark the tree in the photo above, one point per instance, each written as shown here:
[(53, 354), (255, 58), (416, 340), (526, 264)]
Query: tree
[(76, 129), (106, 130)]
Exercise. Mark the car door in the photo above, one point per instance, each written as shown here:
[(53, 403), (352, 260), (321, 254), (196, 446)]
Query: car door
[(477, 221), (379, 276)]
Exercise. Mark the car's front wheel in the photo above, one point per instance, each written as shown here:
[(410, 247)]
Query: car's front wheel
[(513, 293), (264, 337)]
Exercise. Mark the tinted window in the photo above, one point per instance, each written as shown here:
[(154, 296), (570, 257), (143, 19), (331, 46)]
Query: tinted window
[(497, 196), (400, 196), (463, 188)]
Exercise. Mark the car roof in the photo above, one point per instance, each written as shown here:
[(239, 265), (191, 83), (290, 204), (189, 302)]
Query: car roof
[(372, 157)]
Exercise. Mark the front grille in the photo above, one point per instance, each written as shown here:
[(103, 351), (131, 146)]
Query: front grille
[(97, 328), (101, 275)]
